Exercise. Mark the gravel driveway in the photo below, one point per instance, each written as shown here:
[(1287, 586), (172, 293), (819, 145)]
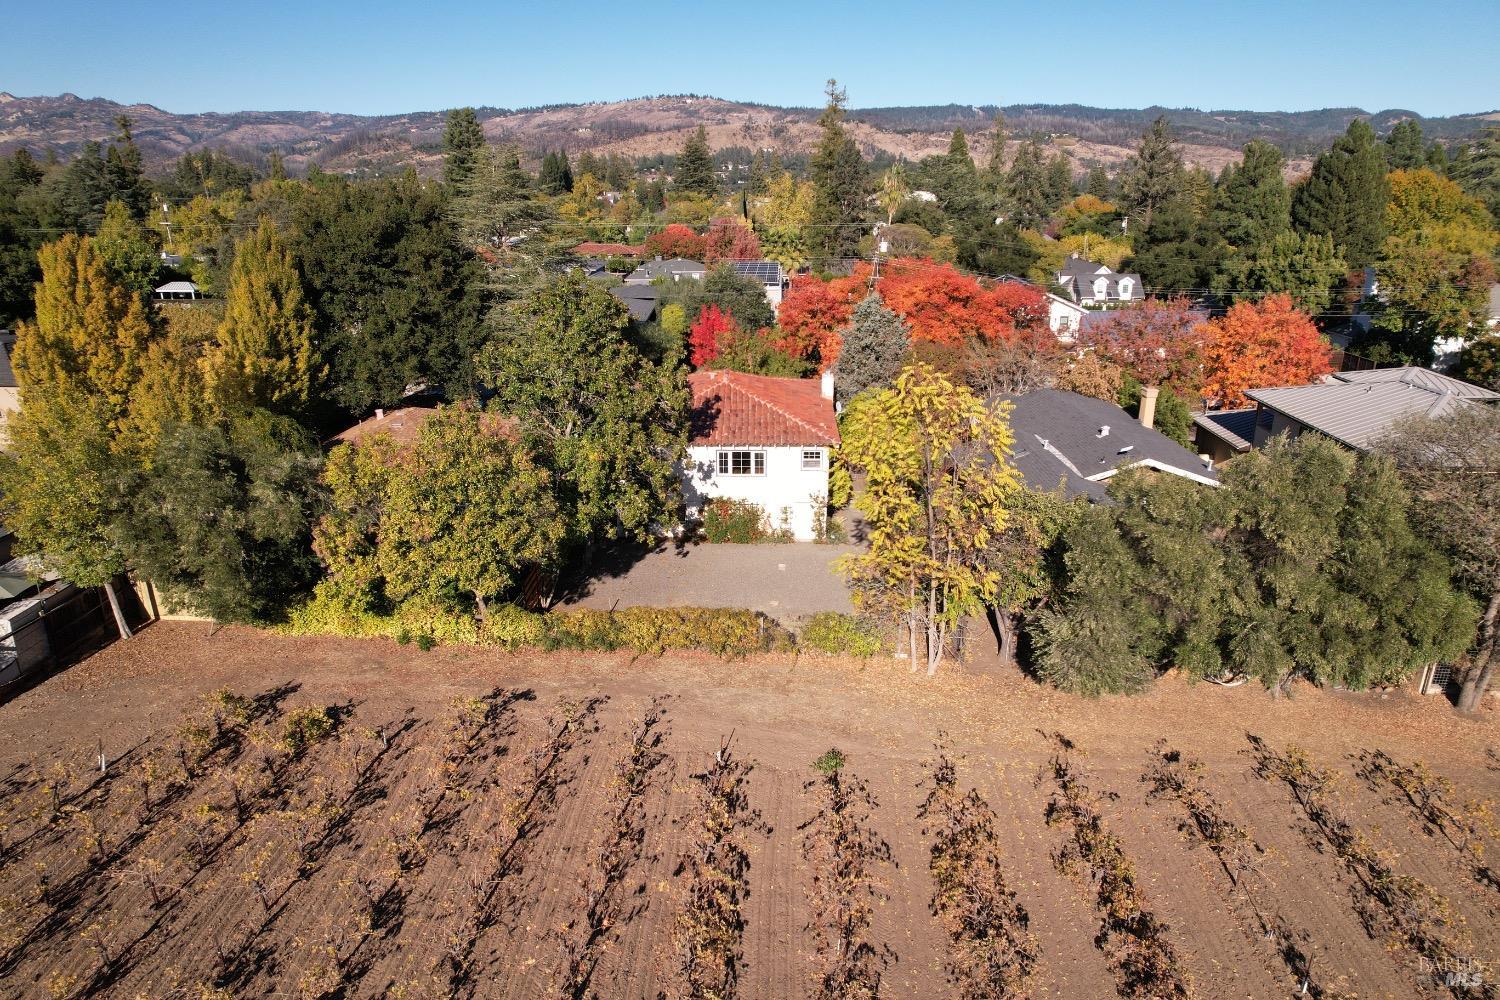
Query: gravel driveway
[(786, 581)]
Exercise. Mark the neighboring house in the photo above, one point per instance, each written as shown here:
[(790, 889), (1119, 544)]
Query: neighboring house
[(1356, 409), (763, 440), (1095, 286), (608, 250), (673, 270), (1081, 442), (1223, 434), (175, 290), (770, 275), (403, 425), (171, 259), (640, 300), (10, 393), (1495, 305), (1065, 317)]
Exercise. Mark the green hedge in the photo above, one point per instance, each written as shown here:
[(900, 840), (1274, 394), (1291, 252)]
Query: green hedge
[(841, 634), (727, 632)]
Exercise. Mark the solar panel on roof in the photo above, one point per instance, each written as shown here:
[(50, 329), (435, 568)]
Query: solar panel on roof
[(764, 271)]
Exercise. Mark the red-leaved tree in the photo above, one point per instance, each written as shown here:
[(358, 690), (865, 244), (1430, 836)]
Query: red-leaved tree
[(675, 240), (1261, 344), (705, 335), (944, 306), (814, 311), (1157, 341), (730, 239)]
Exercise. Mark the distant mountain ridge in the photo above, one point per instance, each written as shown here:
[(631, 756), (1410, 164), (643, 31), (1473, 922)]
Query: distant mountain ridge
[(653, 125)]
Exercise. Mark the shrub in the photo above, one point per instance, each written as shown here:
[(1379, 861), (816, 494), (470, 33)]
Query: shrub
[(304, 727), (511, 627), (728, 520), (839, 634)]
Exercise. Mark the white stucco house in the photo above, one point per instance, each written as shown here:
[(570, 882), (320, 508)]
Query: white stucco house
[(1064, 316), (763, 440)]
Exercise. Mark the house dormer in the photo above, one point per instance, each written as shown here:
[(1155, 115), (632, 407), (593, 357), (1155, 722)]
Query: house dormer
[(1101, 288), (1125, 288)]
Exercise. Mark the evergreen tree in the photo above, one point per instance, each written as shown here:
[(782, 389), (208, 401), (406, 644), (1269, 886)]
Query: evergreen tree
[(1099, 184), (1477, 169), (1302, 265), (590, 164), (874, 344), (130, 254), (613, 423), (221, 518), (840, 184), (695, 172), (1252, 204), (499, 209), (1154, 176), (1403, 147), (1059, 183), (20, 222), (1345, 196), (998, 141), (1177, 252), (463, 138), (1026, 187), (124, 172), (266, 354), (276, 168), (617, 172), (556, 176)]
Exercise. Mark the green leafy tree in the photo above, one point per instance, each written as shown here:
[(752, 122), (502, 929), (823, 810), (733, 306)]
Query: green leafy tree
[(60, 486), (221, 518), (1479, 362), (21, 219), (454, 517), (938, 486), (1302, 265), (840, 185), (1252, 204), (394, 293), (873, 346), (1345, 196), (1154, 176), (1303, 564), (1449, 463), (610, 423), (734, 293), (695, 172), (463, 138), (266, 353), (130, 254)]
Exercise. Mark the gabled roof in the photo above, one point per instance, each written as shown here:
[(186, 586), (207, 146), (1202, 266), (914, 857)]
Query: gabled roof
[(608, 250), (1058, 438), (640, 300), (403, 425), (1235, 428), (1358, 408), (733, 408), (1078, 275), (666, 268), (177, 288)]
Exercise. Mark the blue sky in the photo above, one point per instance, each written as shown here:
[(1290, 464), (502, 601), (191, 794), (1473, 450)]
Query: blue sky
[(376, 57)]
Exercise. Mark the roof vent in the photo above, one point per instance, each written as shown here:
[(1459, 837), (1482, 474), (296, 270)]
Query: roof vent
[(1126, 450), (1103, 431)]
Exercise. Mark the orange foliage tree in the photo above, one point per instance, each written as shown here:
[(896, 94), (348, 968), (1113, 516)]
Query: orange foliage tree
[(704, 336), (730, 239), (944, 306), (1259, 344), (814, 311), (676, 240)]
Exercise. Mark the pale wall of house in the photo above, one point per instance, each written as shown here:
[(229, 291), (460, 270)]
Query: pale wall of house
[(1063, 318), (10, 403), (785, 485), (1280, 424)]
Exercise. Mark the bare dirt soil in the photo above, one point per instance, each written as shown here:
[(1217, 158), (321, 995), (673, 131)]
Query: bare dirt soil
[(530, 841)]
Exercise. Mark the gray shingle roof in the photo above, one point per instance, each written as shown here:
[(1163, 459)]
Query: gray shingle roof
[(1235, 428), (1078, 275), (1058, 438), (1358, 408), (640, 300), (666, 269)]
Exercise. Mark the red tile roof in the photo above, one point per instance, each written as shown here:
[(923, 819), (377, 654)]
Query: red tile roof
[(608, 250), (403, 425), (735, 408)]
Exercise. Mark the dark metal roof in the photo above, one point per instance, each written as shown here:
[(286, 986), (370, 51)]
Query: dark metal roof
[(1235, 428), (1061, 437)]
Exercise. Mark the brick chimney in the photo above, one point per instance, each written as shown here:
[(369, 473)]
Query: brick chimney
[(1148, 405)]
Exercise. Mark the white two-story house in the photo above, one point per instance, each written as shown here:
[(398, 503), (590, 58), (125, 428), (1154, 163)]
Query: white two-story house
[(1095, 286), (763, 440)]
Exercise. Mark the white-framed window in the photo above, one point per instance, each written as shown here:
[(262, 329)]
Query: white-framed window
[(812, 460), (742, 463), (1124, 288), (1065, 321), (1101, 288)]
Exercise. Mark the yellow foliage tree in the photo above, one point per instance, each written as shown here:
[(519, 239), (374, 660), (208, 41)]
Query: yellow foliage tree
[(938, 493), (266, 353), (90, 335)]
